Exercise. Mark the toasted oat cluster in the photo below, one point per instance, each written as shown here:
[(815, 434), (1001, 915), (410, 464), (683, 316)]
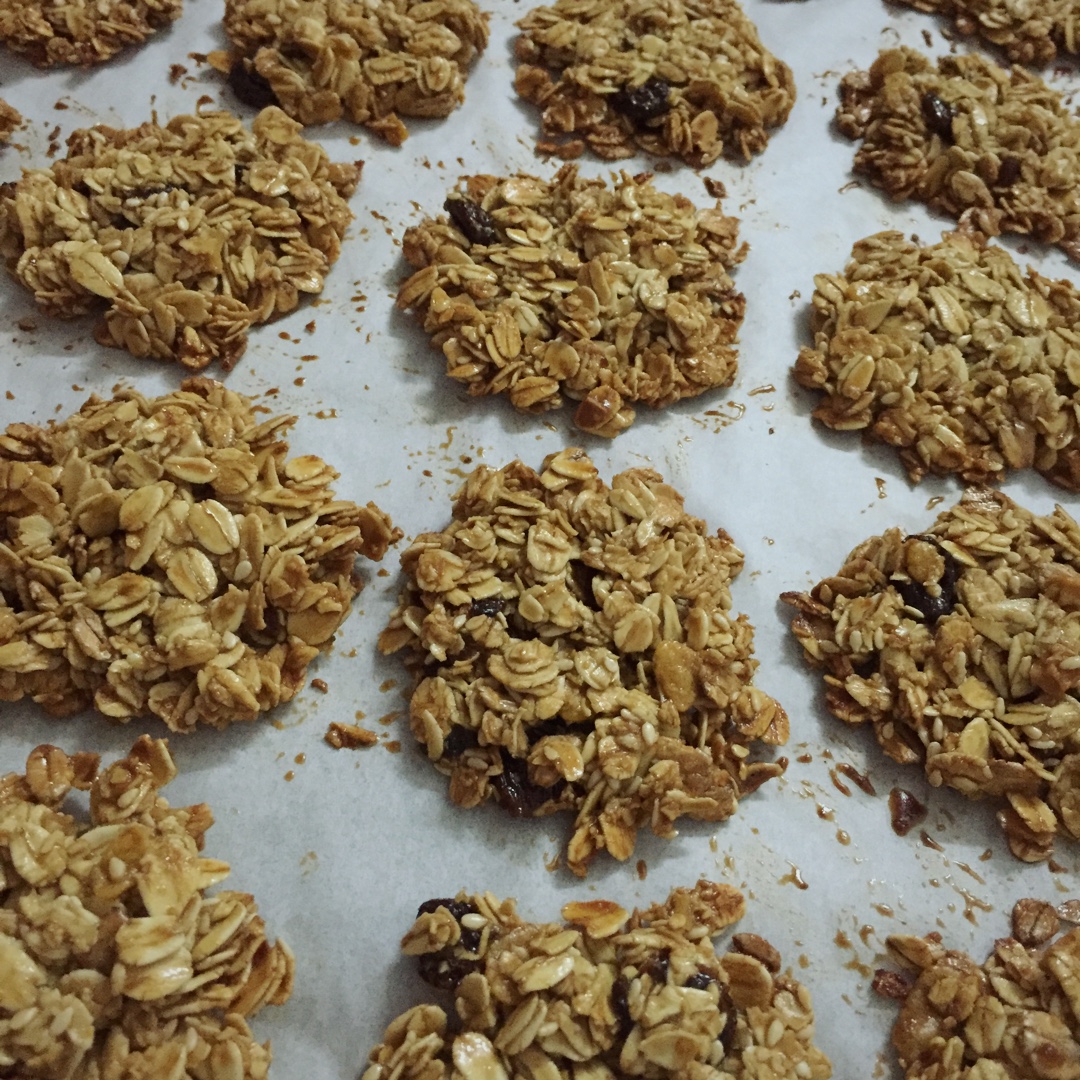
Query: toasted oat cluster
[(9, 121), (183, 236), (606, 993), (994, 146), (606, 294), (960, 646), (1014, 1016), (165, 557), (952, 354), (82, 32), (371, 62), (574, 649), (1029, 33), (687, 78), (113, 960)]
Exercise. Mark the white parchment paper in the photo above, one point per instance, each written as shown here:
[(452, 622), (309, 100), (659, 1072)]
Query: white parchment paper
[(339, 847)]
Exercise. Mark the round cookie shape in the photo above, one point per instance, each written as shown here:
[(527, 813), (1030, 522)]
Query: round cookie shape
[(952, 354), (574, 649), (370, 62), (182, 236), (959, 647), (605, 993), (607, 294), (1026, 33), (1017, 1011), (684, 78), (995, 147), (82, 32), (10, 119), (113, 957), (165, 557)]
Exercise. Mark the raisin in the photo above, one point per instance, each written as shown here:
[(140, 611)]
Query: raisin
[(643, 103), (445, 974), (490, 606), (555, 726), (250, 87), (515, 793), (470, 939), (473, 220), (148, 192), (583, 577), (699, 981), (458, 741), (731, 1021), (656, 967), (458, 908), (620, 1006), (1008, 172), (915, 594), (890, 984), (905, 810), (938, 115)]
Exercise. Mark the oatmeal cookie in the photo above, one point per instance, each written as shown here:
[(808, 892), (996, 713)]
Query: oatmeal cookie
[(605, 294), (574, 649), (993, 146), (682, 78), (953, 355), (184, 235), (606, 993), (1027, 32), (165, 557), (83, 32), (1016, 1015), (960, 646), (371, 62), (9, 121), (113, 960)]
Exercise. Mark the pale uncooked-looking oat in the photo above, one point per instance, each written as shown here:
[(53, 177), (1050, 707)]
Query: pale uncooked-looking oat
[(9, 121), (607, 993), (164, 556), (961, 647), (82, 32), (574, 649), (1029, 31), (371, 62), (114, 963), (683, 78), (1014, 1017), (606, 294), (995, 146), (952, 354), (183, 236)]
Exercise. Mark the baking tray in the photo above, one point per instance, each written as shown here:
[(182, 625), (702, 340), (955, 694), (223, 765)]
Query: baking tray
[(339, 846)]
